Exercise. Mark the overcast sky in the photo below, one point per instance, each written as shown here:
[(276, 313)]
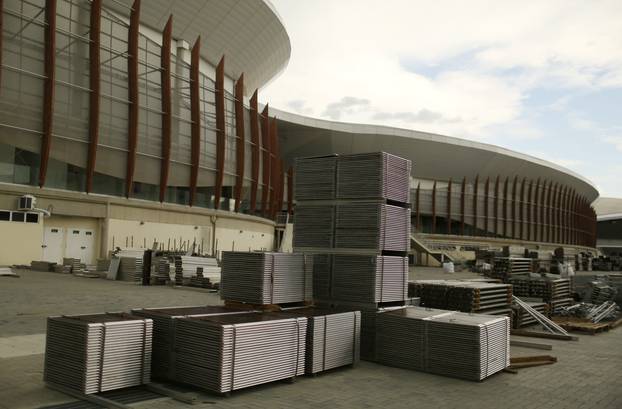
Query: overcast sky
[(539, 77)]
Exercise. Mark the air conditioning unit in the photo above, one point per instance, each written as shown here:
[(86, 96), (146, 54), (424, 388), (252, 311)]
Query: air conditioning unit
[(26, 202)]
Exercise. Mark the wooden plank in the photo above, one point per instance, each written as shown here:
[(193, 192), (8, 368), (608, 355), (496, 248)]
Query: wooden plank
[(532, 358), (530, 364), (525, 333), (527, 344)]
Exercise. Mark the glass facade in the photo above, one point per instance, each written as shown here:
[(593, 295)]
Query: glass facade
[(21, 111)]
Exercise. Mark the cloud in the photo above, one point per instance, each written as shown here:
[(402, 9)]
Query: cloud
[(421, 116), (615, 141), (346, 105), (299, 106)]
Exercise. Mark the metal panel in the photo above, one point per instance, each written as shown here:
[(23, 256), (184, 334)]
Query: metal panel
[(254, 119), (418, 207), (514, 219), (536, 212), (434, 208), (274, 168), (94, 85), (529, 209), (475, 191), (220, 130), (449, 207), (290, 190), (462, 194), (486, 204), (195, 115), (167, 107), (265, 141), (132, 78), (505, 207), (48, 87), (240, 140), (521, 210), (542, 210), (496, 208)]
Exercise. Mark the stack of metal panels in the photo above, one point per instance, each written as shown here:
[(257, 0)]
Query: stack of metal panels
[(511, 267), (314, 227), (229, 352), (465, 296), (186, 267), (164, 319), (103, 264), (333, 338), (360, 278), (372, 226), (558, 293), (100, 352), (468, 346), (378, 175), (131, 269), (266, 278), (401, 337), (521, 318), (315, 178), (162, 270)]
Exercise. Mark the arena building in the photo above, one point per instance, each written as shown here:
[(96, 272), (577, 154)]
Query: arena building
[(134, 125)]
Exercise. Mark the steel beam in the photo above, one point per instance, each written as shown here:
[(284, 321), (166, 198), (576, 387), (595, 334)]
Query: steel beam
[(434, 207), (514, 218), (240, 141), (462, 197), (195, 116), (265, 140), (220, 131), (486, 205), (542, 210), (48, 87), (475, 192), (95, 87), (505, 207), (167, 105), (521, 210), (529, 209), (255, 146), (418, 207), (496, 206), (132, 97), (449, 206), (290, 190), (274, 168)]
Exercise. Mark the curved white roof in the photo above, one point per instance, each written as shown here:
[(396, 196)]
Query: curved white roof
[(434, 156), (250, 33), (608, 208)]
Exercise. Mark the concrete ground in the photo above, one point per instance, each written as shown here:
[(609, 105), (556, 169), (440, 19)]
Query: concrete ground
[(585, 376)]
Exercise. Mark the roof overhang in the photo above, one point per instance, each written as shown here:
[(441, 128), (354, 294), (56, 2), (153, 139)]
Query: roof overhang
[(250, 33), (434, 156)]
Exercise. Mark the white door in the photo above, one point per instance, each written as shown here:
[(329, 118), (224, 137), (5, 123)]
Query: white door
[(53, 244), (80, 244)]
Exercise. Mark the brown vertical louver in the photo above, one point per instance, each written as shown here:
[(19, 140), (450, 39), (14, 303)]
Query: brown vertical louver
[(167, 105), (95, 87)]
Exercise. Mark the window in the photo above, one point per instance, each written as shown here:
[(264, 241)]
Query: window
[(76, 232), (5, 215), (89, 233), (17, 217), (32, 218), (54, 230)]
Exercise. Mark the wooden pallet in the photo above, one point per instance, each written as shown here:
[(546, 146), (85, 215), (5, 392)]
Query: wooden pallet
[(583, 325), (266, 307)]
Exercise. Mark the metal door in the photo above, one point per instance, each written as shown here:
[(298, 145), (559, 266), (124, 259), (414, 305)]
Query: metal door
[(53, 244)]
